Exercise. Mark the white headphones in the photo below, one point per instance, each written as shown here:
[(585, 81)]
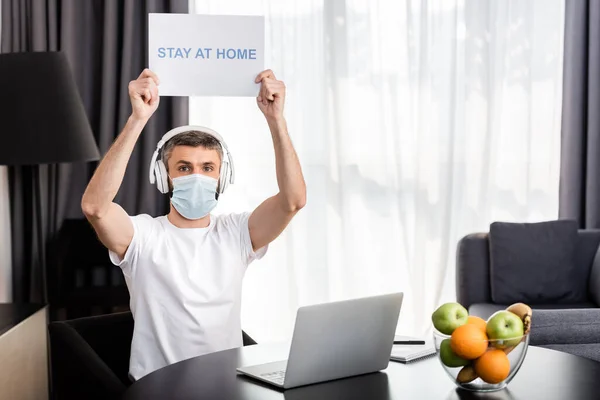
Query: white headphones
[(158, 171)]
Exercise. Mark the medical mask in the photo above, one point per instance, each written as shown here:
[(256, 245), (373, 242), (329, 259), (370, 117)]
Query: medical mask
[(194, 196)]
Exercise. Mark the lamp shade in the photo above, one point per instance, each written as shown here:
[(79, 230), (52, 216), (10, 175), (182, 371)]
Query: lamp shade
[(42, 118)]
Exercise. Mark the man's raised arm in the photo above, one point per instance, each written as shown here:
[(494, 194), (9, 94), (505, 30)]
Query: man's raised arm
[(110, 221), (274, 214)]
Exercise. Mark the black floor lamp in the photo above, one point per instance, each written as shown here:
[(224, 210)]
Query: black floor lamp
[(42, 121)]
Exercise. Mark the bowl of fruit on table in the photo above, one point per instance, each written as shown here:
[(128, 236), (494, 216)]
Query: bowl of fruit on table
[(481, 355)]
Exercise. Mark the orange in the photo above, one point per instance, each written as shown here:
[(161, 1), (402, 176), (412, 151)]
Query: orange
[(477, 321), (493, 366), (469, 341)]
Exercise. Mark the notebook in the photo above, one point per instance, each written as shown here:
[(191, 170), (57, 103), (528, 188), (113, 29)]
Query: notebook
[(411, 353)]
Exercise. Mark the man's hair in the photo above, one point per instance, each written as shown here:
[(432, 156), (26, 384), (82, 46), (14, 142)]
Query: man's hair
[(193, 139)]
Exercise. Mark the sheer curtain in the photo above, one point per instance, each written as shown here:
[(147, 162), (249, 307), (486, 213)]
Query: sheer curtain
[(416, 122)]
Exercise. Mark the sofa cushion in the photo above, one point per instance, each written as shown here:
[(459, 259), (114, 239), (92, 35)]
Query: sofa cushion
[(485, 310), (591, 351), (567, 326), (534, 263)]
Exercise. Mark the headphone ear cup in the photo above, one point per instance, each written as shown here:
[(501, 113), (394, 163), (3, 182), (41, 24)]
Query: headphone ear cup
[(224, 177), (162, 182)]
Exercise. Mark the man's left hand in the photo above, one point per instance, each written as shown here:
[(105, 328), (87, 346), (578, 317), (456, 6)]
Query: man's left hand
[(271, 97)]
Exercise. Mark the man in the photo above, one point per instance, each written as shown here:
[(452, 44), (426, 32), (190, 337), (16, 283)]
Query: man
[(184, 270)]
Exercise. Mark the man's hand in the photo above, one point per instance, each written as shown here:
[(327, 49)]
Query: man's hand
[(271, 97), (143, 93)]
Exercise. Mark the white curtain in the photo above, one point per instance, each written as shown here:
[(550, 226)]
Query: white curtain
[(416, 122)]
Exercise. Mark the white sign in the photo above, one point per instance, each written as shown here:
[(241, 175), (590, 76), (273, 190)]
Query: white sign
[(206, 55)]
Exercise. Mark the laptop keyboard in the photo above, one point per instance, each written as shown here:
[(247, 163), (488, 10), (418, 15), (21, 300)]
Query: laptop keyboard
[(277, 376)]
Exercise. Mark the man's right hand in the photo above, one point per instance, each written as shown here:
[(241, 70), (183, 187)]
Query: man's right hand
[(143, 93)]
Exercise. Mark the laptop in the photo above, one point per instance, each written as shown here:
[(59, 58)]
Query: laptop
[(335, 340)]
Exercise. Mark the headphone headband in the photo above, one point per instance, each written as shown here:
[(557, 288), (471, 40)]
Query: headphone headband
[(227, 174)]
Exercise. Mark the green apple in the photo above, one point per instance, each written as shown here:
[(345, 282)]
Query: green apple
[(504, 329), (448, 317), (449, 357)]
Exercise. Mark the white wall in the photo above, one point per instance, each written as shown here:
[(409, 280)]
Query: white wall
[(5, 252)]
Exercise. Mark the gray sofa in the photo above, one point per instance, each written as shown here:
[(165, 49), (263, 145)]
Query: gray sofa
[(572, 327)]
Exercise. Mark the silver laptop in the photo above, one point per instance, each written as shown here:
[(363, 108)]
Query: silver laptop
[(335, 340)]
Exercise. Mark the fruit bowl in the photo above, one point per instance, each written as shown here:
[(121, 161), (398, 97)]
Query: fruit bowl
[(493, 370), (478, 355)]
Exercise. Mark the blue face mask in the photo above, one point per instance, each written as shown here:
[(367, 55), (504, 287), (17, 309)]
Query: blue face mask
[(194, 196)]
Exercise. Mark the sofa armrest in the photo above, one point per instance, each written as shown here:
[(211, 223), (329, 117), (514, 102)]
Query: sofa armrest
[(570, 326), (594, 282), (473, 270)]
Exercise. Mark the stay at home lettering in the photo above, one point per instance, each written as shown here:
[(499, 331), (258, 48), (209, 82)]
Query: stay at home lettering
[(206, 53)]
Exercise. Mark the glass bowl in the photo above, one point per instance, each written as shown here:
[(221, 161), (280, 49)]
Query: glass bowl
[(498, 362)]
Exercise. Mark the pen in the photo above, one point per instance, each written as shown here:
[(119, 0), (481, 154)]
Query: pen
[(409, 342)]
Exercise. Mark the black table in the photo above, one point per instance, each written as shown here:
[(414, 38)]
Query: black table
[(545, 374)]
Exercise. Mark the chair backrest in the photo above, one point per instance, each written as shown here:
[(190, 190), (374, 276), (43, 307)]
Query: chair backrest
[(110, 336), (90, 356), (247, 340), (473, 264)]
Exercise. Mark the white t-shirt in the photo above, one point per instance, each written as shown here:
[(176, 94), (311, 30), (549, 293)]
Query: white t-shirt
[(185, 287)]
